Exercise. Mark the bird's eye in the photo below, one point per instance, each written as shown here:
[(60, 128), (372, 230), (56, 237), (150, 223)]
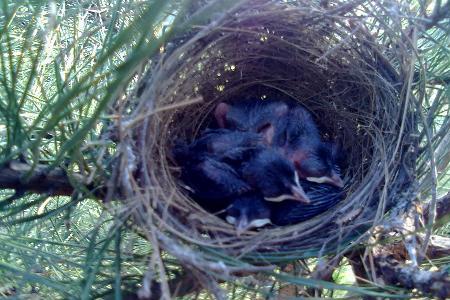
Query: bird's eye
[(230, 219)]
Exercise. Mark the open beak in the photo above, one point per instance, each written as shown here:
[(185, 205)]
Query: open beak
[(242, 225), (334, 179)]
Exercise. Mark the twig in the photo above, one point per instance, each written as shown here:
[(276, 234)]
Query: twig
[(16, 175), (43, 180), (428, 282), (324, 270)]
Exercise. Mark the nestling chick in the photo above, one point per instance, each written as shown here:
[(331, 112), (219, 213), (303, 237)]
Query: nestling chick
[(251, 116), (299, 140), (215, 177), (212, 182), (274, 176), (323, 197), (223, 143), (291, 129), (247, 212)]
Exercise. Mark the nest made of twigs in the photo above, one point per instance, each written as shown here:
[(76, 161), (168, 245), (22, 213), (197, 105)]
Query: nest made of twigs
[(325, 57)]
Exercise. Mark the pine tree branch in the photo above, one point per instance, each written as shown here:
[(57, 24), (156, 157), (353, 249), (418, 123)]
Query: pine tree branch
[(393, 272), (389, 261), (23, 178), (20, 177)]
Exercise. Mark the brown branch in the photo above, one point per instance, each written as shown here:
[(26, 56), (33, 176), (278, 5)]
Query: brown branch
[(22, 178), (428, 282), (389, 259), (438, 247), (390, 267), (16, 175)]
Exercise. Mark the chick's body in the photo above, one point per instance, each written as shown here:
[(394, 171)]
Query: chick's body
[(288, 128), (249, 115), (298, 138), (210, 166), (216, 172), (322, 196)]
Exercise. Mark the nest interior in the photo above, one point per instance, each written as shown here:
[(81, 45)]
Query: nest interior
[(326, 59)]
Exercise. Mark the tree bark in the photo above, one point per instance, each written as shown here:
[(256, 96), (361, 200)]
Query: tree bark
[(42, 179), (394, 272)]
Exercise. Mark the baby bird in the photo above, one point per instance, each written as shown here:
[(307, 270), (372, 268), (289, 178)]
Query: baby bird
[(298, 138), (224, 142), (216, 177), (272, 174), (247, 212), (323, 197), (251, 115), (288, 128), (206, 170)]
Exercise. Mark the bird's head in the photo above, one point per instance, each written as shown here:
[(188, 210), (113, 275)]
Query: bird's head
[(247, 212), (252, 116), (318, 164), (274, 176)]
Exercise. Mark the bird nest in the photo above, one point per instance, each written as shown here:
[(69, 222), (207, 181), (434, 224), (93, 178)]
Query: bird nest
[(327, 58)]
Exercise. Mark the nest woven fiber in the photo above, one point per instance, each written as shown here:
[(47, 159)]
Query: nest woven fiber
[(325, 57)]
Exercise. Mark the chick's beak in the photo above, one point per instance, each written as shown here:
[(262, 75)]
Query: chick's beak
[(296, 193), (334, 179), (242, 225), (299, 194)]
